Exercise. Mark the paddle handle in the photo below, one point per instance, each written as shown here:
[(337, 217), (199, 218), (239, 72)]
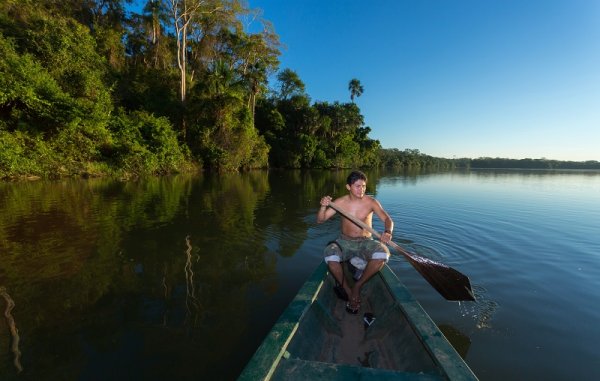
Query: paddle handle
[(363, 225)]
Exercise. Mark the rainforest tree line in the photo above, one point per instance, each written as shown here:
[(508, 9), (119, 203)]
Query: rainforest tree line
[(93, 87), (96, 87), (414, 159)]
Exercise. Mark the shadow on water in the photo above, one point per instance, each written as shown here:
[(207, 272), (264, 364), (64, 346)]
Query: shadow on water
[(459, 340)]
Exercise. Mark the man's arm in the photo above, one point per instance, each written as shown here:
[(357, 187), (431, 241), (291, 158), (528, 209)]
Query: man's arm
[(387, 221), (324, 213)]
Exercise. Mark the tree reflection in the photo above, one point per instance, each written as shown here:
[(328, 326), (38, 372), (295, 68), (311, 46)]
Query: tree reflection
[(159, 277), (101, 260), (12, 327)]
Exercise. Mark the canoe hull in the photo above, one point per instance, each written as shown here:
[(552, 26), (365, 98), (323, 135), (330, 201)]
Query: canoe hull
[(315, 338)]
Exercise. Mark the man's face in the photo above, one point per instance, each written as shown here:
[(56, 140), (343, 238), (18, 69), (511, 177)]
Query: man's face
[(358, 188)]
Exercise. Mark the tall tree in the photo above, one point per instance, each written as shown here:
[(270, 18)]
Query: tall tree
[(356, 89), (289, 84), (156, 52), (258, 59), (183, 12)]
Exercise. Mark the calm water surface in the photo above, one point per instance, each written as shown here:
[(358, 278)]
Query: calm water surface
[(182, 277)]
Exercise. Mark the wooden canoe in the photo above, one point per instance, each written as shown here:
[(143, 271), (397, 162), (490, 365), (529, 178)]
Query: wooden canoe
[(316, 339)]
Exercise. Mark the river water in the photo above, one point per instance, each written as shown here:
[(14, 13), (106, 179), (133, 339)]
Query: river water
[(181, 277)]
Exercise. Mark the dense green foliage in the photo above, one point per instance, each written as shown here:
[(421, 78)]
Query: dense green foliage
[(88, 87), (413, 159)]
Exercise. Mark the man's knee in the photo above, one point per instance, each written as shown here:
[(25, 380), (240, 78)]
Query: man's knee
[(383, 256), (378, 263), (332, 262), (332, 252), (332, 259)]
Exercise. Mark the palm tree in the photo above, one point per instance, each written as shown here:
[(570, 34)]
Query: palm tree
[(356, 89)]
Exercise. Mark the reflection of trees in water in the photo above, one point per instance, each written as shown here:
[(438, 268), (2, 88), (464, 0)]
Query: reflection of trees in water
[(14, 332), (192, 304), (166, 295), (94, 260), (61, 255)]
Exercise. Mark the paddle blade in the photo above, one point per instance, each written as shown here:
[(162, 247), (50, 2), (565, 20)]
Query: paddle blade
[(450, 283)]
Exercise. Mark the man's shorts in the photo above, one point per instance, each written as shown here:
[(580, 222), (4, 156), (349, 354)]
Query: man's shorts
[(366, 248)]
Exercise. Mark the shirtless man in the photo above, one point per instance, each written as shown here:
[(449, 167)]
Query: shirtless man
[(355, 241)]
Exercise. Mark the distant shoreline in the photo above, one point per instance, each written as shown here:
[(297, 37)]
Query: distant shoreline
[(413, 158), (538, 169)]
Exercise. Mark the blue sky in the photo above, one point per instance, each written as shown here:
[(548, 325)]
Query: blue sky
[(455, 78)]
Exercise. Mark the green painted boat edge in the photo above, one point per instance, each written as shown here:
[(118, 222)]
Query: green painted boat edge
[(265, 360), (442, 352), (314, 371)]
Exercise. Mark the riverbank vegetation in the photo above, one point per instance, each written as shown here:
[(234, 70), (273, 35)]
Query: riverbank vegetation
[(97, 87), (90, 88), (413, 159)]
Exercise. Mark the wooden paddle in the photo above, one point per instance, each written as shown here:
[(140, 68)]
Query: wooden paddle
[(450, 283)]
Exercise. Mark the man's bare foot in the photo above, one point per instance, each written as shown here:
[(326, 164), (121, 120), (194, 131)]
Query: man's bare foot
[(353, 305)]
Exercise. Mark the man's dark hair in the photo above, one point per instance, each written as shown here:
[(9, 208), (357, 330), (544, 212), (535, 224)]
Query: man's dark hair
[(355, 175)]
